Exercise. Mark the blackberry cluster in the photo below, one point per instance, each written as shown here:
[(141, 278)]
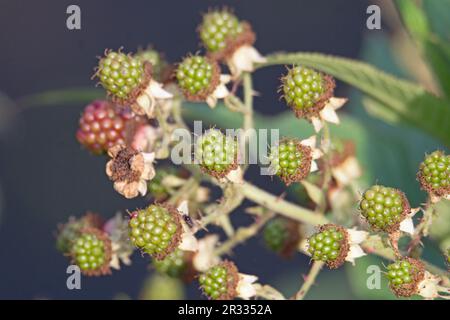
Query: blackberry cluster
[(121, 75), (329, 245), (156, 230), (282, 236), (198, 77), (102, 126), (290, 160), (384, 208), (174, 265), (404, 276), (306, 90), (220, 282), (217, 28), (216, 153), (91, 251), (434, 173)]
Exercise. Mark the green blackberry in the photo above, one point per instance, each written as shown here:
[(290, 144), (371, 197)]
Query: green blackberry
[(384, 208), (198, 77), (157, 61), (123, 76), (156, 230), (404, 276), (434, 174), (291, 160), (282, 236), (222, 33), (216, 153), (330, 245), (306, 91), (220, 282), (174, 265), (91, 251)]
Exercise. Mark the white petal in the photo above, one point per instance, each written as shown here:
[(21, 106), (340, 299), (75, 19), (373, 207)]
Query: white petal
[(155, 89), (428, 287), (243, 60), (235, 176), (407, 225), (245, 288), (337, 103), (225, 78), (142, 187), (316, 153), (309, 142), (354, 252), (328, 114), (314, 166), (317, 124), (205, 257), (221, 91), (146, 105), (183, 208), (148, 157), (347, 171), (188, 242), (356, 236), (211, 101)]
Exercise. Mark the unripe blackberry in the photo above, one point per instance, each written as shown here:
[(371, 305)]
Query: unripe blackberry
[(222, 33), (174, 265), (282, 236), (198, 77), (330, 245), (123, 76), (434, 174), (68, 232), (306, 91), (384, 208), (216, 153), (91, 251), (404, 276), (156, 230), (157, 61), (220, 282), (102, 125), (291, 160)]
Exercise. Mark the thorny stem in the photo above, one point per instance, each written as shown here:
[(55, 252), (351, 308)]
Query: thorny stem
[(242, 234), (325, 146), (248, 100), (423, 226), (189, 187), (309, 280)]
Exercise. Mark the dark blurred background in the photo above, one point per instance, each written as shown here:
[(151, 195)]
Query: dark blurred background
[(44, 174)]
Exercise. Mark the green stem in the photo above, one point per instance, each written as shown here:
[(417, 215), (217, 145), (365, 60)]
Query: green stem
[(248, 100), (325, 146), (243, 234), (185, 191), (309, 280), (281, 206)]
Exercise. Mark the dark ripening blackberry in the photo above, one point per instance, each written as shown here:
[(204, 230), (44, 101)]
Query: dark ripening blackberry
[(291, 160), (156, 230), (330, 245), (282, 236), (216, 153), (434, 174), (220, 282), (404, 276), (102, 125), (198, 77), (91, 251), (306, 91), (123, 76), (222, 33), (384, 208)]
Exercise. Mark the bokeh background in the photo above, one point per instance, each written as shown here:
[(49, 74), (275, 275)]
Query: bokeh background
[(45, 176)]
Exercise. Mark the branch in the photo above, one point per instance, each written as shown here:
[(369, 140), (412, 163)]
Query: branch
[(309, 280)]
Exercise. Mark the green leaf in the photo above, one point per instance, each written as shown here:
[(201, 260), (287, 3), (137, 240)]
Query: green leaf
[(61, 97), (435, 50), (411, 102)]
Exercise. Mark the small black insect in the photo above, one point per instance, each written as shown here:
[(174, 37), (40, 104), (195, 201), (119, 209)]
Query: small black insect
[(188, 221)]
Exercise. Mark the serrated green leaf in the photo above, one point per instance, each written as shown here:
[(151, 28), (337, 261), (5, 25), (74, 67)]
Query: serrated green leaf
[(411, 102)]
